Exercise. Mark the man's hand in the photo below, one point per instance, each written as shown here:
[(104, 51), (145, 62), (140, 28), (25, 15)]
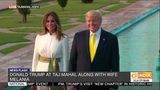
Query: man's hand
[(34, 87)]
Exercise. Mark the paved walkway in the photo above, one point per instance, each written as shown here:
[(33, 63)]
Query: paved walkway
[(6, 3), (23, 57)]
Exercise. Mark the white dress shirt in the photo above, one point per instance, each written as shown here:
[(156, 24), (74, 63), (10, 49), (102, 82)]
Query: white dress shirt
[(97, 36)]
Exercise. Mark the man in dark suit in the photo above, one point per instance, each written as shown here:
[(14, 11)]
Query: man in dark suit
[(94, 50)]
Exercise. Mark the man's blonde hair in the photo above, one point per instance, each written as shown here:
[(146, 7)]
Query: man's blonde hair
[(95, 13)]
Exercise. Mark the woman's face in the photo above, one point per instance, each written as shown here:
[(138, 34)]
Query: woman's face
[(50, 24)]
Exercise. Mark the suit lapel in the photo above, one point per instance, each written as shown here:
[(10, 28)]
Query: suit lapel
[(87, 44), (101, 43)]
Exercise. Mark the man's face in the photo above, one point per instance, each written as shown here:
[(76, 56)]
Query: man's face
[(93, 22)]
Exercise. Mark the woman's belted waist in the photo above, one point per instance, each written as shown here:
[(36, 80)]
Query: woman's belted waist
[(53, 63), (45, 59)]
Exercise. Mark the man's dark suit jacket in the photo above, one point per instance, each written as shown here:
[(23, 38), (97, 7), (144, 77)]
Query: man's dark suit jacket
[(106, 57)]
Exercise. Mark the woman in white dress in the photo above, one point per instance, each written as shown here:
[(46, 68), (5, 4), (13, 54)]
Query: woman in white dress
[(51, 50)]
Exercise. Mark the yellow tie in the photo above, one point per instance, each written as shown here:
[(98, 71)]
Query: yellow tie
[(92, 46)]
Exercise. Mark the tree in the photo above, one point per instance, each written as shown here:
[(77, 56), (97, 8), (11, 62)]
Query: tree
[(87, 1), (62, 3), (23, 7)]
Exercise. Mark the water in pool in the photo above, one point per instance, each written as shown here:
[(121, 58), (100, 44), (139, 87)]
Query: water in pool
[(139, 49)]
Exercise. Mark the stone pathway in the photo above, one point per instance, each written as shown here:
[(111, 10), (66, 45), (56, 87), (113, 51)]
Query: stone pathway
[(6, 30), (11, 44), (23, 57)]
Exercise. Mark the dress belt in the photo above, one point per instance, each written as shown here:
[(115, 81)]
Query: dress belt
[(53, 63)]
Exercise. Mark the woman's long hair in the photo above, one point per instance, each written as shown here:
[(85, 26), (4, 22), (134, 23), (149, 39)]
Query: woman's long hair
[(58, 29)]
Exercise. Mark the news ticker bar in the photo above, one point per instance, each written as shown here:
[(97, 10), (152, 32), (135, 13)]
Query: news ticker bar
[(24, 76), (80, 84), (68, 77)]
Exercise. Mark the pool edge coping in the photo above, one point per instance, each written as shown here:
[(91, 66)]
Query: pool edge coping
[(135, 20)]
